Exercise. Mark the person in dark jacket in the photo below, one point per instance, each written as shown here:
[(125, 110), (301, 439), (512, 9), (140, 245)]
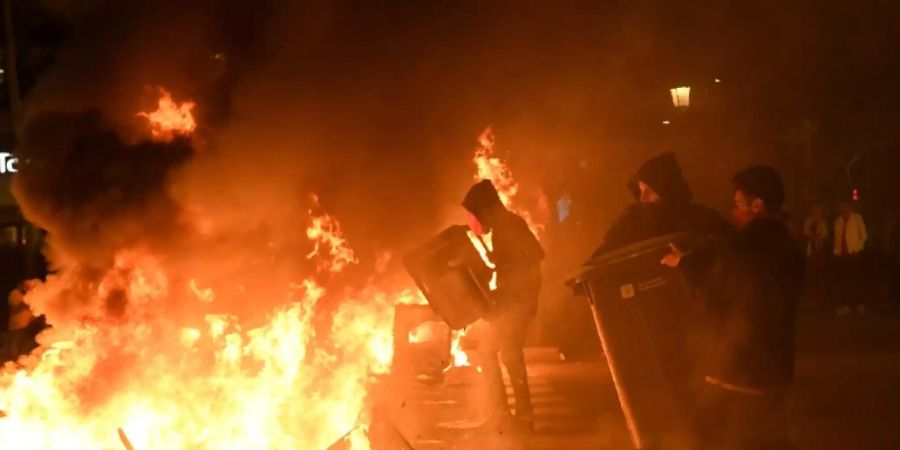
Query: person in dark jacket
[(517, 255), (664, 205), (751, 292)]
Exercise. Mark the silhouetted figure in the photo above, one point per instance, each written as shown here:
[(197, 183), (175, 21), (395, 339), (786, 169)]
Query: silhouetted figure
[(517, 255), (751, 291), (849, 242), (664, 205)]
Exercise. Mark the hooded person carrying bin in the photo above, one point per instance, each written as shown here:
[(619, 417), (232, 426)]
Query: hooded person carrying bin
[(517, 255), (664, 205)]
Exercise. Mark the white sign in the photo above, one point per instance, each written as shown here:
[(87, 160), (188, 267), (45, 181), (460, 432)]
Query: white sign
[(8, 163)]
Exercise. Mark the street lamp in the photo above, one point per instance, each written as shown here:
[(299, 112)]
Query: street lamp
[(681, 96)]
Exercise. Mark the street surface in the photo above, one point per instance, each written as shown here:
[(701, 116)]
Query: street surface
[(846, 395)]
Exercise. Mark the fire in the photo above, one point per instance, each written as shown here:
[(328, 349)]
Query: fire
[(489, 166), (459, 357), (411, 297), (483, 246), (204, 295), (325, 233), (129, 375), (170, 118), (422, 333)]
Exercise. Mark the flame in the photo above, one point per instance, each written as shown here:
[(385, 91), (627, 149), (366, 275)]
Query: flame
[(127, 374), (411, 297), (204, 295), (489, 166), (328, 242), (421, 334), (484, 247), (170, 118), (459, 358)]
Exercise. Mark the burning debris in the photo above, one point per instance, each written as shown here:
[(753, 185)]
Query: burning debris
[(460, 358), (139, 341), (325, 233), (170, 119)]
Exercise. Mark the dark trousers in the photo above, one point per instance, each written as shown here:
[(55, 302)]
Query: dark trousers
[(849, 288), (506, 339), (730, 420), (817, 281)]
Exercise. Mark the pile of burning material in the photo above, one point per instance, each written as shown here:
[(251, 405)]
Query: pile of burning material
[(168, 332)]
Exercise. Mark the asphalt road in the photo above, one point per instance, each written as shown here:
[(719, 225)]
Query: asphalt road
[(846, 396)]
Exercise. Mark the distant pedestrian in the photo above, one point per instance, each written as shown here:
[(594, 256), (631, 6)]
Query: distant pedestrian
[(849, 241), (815, 231)]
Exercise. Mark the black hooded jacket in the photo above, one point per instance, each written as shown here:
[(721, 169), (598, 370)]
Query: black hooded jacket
[(675, 212), (516, 251), (751, 293)]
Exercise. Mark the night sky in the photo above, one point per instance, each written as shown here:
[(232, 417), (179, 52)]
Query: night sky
[(392, 95)]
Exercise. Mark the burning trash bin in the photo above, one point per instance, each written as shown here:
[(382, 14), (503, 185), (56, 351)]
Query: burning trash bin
[(455, 281), (643, 315), (453, 277)]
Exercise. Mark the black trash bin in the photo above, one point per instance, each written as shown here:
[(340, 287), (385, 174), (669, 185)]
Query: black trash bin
[(644, 316), (452, 276)]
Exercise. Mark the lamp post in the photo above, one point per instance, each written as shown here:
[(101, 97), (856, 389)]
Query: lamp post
[(681, 96)]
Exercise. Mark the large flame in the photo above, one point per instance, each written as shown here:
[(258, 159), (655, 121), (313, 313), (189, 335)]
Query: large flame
[(459, 358), (170, 118), (489, 166), (129, 375)]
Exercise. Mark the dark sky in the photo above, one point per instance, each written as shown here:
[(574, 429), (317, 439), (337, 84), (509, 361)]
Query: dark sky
[(382, 100)]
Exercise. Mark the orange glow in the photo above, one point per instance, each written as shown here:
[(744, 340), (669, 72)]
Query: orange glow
[(483, 246), (411, 297), (459, 358), (170, 119), (329, 244), (129, 374), (423, 333), (204, 295)]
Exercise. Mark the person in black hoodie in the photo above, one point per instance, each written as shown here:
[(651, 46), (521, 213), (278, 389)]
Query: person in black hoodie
[(517, 255), (751, 292), (664, 205)]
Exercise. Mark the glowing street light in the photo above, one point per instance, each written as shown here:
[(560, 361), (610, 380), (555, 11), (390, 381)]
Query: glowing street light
[(681, 96)]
